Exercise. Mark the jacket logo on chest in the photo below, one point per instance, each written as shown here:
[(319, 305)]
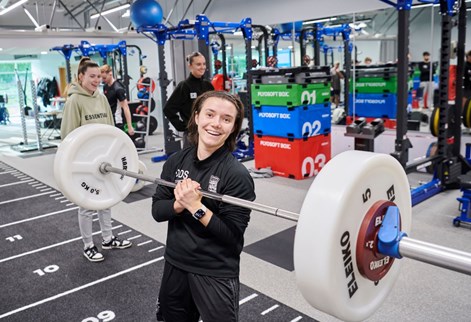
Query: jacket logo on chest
[(213, 184), (181, 174), (193, 95)]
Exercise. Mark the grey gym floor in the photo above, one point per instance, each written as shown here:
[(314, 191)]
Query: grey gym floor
[(422, 292)]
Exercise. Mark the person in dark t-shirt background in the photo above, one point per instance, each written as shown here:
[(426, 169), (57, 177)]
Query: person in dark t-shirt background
[(115, 92)]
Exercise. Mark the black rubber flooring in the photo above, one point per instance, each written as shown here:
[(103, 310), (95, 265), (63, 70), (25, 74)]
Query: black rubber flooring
[(44, 276), (276, 249)]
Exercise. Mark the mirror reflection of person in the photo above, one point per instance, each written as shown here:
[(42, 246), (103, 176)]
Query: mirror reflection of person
[(427, 70), (335, 84)]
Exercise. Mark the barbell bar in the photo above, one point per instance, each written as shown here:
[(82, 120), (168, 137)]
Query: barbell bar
[(352, 227), (411, 248), (107, 168)]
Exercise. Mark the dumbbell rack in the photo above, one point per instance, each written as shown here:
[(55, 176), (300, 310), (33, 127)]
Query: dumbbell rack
[(147, 118)]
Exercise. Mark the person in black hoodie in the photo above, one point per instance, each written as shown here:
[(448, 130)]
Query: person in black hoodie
[(205, 237), (178, 107)]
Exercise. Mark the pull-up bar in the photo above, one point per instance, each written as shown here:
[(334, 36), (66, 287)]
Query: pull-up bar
[(200, 28)]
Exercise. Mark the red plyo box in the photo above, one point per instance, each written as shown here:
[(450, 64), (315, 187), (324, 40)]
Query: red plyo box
[(292, 158)]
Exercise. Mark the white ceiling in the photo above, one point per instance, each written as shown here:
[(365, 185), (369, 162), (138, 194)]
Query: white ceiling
[(75, 14), (71, 18)]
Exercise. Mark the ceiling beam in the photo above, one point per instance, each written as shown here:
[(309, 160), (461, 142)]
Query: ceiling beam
[(70, 13)]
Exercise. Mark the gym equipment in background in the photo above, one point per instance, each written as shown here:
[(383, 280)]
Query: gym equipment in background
[(146, 13), (189, 30), (24, 146), (355, 218)]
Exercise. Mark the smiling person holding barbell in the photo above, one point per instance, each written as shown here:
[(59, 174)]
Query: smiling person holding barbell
[(86, 105), (205, 237), (355, 222)]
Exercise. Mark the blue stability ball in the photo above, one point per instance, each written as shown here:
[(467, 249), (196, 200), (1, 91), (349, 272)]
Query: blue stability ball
[(287, 27), (146, 13)]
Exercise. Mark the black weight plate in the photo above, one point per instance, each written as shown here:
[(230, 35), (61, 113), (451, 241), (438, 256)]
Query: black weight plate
[(152, 104), (153, 124)]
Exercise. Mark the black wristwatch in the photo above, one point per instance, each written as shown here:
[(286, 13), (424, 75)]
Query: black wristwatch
[(200, 212)]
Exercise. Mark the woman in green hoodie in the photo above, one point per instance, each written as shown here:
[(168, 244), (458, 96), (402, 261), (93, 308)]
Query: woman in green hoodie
[(85, 104)]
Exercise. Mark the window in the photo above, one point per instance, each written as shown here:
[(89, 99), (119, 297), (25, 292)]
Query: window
[(9, 84)]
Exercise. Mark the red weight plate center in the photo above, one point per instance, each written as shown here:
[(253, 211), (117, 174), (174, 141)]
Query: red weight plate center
[(372, 264)]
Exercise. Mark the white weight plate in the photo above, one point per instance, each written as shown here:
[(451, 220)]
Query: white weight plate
[(139, 183), (326, 235), (77, 162)]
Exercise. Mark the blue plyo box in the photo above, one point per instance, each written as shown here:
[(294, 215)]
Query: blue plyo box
[(292, 122), (374, 105)]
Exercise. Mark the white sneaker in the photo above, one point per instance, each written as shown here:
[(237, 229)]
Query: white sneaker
[(93, 255)]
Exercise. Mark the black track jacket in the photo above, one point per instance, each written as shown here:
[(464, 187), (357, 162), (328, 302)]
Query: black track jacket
[(213, 250), (178, 107)]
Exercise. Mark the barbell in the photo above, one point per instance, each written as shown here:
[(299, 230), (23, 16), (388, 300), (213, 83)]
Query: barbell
[(351, 230)]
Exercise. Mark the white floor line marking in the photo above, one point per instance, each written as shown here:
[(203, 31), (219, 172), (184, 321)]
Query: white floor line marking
[(270, 309), (248, 298), (96, 219), (21, 176), (70, 204), (59, 198), (37, 184), (27, 197), (55, 195), (143, 243), (41, 187), (37, 217), (47, 189), (14, 183), (125, 232), (296, 319), (31, 183), (134, 237), (50, 246), (9, 171), (154, 249), (81, 287)]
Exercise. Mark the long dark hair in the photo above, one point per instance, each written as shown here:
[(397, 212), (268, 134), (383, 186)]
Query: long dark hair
[(193, 135)]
